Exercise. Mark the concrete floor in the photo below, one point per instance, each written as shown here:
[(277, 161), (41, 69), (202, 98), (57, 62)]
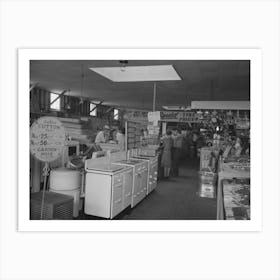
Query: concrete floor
[(173, 199)]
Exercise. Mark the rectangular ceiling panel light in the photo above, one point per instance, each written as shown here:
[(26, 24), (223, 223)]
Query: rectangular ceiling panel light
[(138, 73)]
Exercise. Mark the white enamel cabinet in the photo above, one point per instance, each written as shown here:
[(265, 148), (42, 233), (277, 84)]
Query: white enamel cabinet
[(107, 194), (153, 172), (127, 189), (139, 185)]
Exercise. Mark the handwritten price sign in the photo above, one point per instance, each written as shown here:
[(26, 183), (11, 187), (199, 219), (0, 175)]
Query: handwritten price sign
[(47, 139)]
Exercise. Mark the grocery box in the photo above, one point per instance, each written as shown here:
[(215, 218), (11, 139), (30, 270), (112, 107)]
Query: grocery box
[(207, 190)]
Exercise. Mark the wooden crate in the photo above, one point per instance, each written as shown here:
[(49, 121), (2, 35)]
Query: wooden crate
[(56, 206)]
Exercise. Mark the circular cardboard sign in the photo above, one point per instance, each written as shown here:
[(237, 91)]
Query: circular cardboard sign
[(47, 139)]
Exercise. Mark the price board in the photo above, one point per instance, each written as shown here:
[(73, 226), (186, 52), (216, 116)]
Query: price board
[(173, 116), (47, 139), (136, 116)]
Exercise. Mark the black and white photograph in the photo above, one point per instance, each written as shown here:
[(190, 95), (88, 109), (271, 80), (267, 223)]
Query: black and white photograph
[(140, 139)]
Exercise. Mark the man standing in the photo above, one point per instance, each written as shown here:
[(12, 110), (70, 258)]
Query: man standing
[(177, 150), (101, 136), (120, 137)]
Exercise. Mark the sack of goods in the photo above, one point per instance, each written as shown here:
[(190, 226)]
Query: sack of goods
[(208, 183)]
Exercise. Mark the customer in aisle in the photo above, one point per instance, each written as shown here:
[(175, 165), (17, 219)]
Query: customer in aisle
[(193, 151), (144, 137), (184, 143), (238, 147), (177, 151), (113, 135), (102, 136), (200, 143), (120, 138), (188, 142), (166, 159)]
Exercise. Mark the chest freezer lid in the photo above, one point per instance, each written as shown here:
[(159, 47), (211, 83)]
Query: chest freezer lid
[(130, 161), (144, 157), (107, 167)]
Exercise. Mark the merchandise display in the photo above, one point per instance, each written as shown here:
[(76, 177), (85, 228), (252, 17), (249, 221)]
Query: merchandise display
[(133, 135), (230, 168), (237, 199), (208, 184)]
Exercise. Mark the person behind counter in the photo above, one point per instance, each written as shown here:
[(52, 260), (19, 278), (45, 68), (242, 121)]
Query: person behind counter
[(102, 136), (166, 160), (120, 137)]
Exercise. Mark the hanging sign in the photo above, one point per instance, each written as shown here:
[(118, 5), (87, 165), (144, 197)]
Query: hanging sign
[(154, 116), (136, 116), (174, 116), (47, 139)]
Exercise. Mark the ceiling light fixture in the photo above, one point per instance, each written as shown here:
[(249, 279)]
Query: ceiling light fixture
[(152, 73), (123, 65)]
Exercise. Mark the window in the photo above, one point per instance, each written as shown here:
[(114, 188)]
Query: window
[(56, 104), (92, 110), (116, 114)]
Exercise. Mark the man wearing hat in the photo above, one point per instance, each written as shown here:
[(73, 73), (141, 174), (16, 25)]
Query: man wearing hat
[(101, 135)]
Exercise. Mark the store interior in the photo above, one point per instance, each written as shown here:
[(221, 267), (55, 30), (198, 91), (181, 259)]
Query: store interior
[(140, 139)]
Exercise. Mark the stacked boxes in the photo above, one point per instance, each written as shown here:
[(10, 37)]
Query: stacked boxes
[(205, 158), (208, 183), (138, 137), (133, 135), (153, 130), (153, 140), (208, 176), (56, 206), (237, 199)]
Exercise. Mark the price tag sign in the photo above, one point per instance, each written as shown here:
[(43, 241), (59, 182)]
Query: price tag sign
[(154, 116), (47, 139)]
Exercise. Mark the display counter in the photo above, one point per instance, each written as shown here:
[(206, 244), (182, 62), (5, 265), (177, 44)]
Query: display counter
[(236, 168)]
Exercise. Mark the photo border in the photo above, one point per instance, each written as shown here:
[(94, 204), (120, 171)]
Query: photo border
[(24, 57)]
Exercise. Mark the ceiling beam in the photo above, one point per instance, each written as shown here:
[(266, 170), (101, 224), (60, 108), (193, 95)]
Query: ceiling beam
[(32, 87)]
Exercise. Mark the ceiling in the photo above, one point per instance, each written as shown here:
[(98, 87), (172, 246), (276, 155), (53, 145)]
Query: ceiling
[(201, 80)]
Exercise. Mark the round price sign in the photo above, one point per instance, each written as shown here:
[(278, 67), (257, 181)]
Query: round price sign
[(47, 139)]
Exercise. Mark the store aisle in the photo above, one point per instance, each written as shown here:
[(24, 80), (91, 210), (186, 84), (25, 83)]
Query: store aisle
[(175, 198)]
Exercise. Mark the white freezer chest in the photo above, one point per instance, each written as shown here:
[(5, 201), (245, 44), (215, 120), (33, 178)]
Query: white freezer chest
[(108, 194)]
